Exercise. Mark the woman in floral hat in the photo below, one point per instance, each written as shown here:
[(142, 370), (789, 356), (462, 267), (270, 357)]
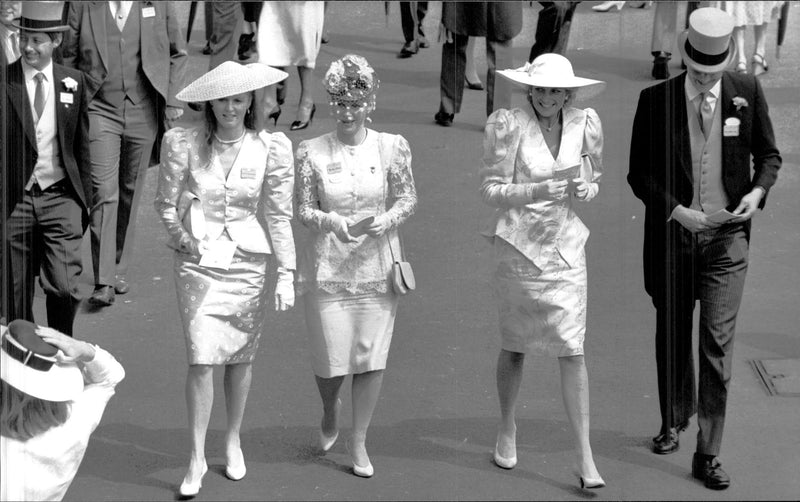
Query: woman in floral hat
[(354, 189)]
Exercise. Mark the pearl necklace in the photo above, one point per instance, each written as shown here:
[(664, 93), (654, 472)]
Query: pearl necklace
[(230, 141)]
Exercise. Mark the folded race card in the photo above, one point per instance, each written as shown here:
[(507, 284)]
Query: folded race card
[(218, 254), (567, 174), (722, 216), (360, 227)]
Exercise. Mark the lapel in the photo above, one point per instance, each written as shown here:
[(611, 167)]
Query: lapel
[(97, 18), (728, 110), (680, 124), (64, 111), (18, 96)]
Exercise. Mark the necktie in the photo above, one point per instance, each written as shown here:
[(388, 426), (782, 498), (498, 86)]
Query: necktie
[(706, 114), (15, 45), (120, 17), (38, 99)]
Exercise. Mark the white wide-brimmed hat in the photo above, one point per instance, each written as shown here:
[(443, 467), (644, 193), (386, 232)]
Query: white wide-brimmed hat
[(707, 45), (552, 71), (29, 364), (229, 79)]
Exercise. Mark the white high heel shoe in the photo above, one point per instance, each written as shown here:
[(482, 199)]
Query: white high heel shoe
[(501, 461), (607, 6), (327, 442), (236, 472), (188, 489), (588, 483)]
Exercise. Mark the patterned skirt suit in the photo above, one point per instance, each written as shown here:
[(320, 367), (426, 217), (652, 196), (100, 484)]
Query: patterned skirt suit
[(539, 271), (223, 310)]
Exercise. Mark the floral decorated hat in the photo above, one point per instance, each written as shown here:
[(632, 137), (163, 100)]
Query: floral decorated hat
[(351, 80)]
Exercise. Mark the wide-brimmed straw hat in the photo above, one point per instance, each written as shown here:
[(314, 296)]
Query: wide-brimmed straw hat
[(29, 364), (229, 79), (552, 71), (41, 16), (707, 45)]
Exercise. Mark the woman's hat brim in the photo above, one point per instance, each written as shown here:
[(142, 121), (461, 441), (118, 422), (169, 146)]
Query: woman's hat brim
[(229, 79), (522, 77), (62, 382), (682, 37)]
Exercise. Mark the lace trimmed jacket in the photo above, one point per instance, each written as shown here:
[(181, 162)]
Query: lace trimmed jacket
[(516, 157), (254, 202), (335, 180)]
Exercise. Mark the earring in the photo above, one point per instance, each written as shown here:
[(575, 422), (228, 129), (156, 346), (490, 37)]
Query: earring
[(369, 120)]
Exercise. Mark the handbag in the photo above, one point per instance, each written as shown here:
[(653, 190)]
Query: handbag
[(403, 280)]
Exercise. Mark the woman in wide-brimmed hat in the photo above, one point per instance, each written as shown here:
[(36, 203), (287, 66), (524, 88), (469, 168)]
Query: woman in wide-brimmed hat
[(354, 190), (53, 393), (225, 196), (536, 162)]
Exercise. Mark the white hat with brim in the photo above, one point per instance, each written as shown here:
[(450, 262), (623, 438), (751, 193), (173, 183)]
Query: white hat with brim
[(61, 381), (229, 79), (707, 45), (552, 71)]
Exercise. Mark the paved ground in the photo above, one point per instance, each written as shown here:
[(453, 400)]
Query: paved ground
[(433, 430)]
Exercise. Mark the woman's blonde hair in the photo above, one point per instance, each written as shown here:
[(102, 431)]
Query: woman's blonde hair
[(23, 416)]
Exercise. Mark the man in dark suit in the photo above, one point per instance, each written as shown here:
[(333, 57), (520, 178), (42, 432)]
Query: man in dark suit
[(133, 55), (499, 22), (46, 189), (694, 136)]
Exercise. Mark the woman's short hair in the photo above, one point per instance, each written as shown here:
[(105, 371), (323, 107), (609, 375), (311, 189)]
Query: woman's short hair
[(23, 416)]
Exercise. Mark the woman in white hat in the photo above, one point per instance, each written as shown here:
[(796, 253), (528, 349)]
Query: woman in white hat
[(225, 196), (355, 189), (53, 393), (536, 162)]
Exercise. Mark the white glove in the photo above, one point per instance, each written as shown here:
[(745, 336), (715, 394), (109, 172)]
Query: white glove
[(284, 290)]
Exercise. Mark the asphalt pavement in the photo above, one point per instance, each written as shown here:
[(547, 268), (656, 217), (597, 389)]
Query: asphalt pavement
[(434, 428)]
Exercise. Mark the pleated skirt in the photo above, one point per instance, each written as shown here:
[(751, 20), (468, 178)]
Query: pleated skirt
[(540, 311), (222, 310), (348, 333)]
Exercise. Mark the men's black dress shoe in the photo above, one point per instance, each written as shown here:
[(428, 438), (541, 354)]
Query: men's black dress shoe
[(423, 42), (660, 68), (408, 49), (444, 119), (669, 442), (103, 296), (121, 285), (207, 49), (708, 470)]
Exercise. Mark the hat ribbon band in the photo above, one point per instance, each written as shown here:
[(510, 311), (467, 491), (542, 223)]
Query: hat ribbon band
[(38, 24), (703, 58), (25, 356)]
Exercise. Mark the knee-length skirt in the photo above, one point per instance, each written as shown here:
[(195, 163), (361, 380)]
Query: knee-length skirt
[(222, 310), (348, 333), (541, 311)]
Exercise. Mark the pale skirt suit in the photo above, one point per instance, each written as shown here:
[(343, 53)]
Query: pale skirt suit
[(349, 303), (223, 310), (290, 33), (539, 271)]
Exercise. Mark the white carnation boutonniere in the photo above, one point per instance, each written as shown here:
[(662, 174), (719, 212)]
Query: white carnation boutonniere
[(70, 84), (739, 102)]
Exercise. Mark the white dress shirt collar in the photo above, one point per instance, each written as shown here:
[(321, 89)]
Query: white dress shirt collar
[(692, 92), (30, 72)]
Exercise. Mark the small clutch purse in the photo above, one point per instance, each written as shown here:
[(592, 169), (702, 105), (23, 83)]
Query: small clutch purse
[(403, 280)]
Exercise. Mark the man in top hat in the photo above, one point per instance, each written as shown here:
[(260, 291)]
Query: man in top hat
[(133, 54), (694, 137), (46, 184)]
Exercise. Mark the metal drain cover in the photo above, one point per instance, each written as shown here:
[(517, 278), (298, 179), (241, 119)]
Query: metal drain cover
[(781, 377)]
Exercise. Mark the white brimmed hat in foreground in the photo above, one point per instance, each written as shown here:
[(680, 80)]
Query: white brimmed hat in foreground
[(707, 45), (229, 79), (552, 71), (31, 365)]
